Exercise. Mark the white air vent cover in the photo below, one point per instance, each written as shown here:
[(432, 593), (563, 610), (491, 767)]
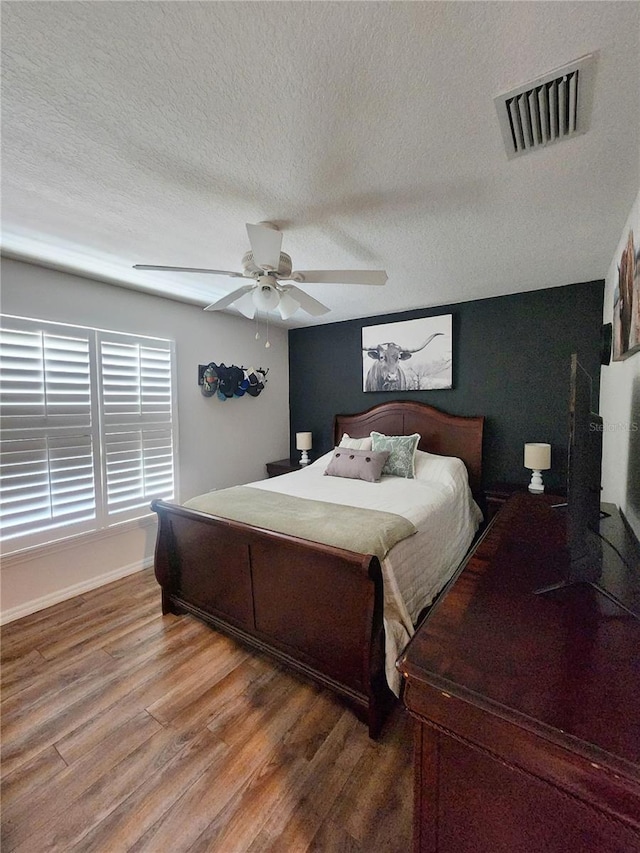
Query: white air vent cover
[(550, 109)]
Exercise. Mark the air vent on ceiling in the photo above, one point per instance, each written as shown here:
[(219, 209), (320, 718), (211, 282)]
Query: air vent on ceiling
[(550, 109)]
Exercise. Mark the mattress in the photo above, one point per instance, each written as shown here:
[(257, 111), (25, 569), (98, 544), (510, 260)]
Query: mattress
[(438, 502)]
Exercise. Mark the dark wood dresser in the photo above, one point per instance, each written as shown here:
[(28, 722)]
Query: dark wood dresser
[(527, 706)]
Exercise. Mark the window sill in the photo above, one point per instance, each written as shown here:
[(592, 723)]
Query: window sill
[(11, 558)]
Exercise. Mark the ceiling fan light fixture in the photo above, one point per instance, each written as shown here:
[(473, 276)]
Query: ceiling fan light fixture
[(246, 305), (265, 297), (288, 306)]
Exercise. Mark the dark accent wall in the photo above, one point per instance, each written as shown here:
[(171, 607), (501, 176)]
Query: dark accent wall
[(511, 357)]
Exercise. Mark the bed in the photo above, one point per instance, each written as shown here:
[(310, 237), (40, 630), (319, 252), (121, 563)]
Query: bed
[(328, 612)]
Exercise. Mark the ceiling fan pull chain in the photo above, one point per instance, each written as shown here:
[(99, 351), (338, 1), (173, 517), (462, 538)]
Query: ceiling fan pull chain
[(268, 343)]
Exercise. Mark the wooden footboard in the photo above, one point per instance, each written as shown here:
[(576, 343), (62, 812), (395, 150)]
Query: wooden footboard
[(316, 608)]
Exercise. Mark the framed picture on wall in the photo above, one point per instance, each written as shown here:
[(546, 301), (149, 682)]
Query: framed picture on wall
[(626, 300), (411, 355)]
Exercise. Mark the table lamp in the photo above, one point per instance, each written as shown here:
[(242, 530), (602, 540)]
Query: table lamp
[(303, 443), (537, 457)]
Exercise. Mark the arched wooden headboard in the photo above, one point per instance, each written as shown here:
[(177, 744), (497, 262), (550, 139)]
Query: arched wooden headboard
[(441, 433)]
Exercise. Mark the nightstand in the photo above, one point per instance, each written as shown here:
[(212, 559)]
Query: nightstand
[(282, 466), (497, 494)]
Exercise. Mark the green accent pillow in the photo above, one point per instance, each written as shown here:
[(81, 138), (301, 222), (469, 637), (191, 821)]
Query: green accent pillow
[(402, 453)]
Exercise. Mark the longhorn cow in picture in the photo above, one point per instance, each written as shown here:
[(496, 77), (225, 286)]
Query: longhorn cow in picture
[(386, 374)]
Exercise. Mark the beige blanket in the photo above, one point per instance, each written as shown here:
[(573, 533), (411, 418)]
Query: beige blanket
[(364, 531)]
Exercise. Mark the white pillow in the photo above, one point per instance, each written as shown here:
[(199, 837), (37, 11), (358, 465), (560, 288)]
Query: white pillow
[(447, 470), (356, 443)]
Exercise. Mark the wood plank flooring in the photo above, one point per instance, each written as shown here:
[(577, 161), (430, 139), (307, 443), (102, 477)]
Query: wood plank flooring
[(123, 729)]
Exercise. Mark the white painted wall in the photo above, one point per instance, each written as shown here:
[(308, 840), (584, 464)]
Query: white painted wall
[(219, 443), (620, 406)]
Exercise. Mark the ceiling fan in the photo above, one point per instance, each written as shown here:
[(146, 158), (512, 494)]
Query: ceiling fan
[(268, 266)]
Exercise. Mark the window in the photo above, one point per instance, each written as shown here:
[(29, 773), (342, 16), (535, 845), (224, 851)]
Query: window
[(87, 429)]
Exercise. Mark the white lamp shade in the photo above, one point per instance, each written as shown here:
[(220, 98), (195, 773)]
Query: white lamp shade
[(303, 441), (246, 305), (288, 306), (537, 456)]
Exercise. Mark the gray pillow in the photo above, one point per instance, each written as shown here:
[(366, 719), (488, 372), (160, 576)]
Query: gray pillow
[(402, 453), (357, 464)]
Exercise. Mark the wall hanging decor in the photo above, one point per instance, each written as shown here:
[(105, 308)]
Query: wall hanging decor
[(218, 380), (626, 300), (412, 355)]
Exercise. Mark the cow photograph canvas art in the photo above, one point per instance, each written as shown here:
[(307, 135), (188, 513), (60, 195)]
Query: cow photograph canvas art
[(626, 300), (412, 355)]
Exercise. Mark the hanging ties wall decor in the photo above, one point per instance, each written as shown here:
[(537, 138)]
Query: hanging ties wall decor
[(218, 380)]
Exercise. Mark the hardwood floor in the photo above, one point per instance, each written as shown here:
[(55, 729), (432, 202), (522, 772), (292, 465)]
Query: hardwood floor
[(123, 729)]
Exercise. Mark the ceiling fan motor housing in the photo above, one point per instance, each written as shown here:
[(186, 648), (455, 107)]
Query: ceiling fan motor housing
[(252, 270)]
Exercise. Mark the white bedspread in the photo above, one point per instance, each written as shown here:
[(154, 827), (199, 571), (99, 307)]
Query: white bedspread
[(438, 502)]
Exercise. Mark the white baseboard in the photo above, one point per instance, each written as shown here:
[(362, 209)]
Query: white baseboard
[(70, 591)]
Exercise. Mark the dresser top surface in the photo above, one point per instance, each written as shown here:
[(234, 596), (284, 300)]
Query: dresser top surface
[(567, 662)]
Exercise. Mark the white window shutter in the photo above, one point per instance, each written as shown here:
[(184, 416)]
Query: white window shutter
[(49, 432), (87, 429), (137, 434)]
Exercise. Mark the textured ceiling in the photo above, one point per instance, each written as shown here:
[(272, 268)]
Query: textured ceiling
[(150, 132)]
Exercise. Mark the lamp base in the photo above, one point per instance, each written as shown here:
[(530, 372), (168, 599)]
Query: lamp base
[(304, 459), (536, 486)]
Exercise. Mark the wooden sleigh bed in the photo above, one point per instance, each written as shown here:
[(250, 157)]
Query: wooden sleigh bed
[(316, 608)]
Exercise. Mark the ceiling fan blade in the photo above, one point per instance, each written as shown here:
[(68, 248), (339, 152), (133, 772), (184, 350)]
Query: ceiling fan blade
[(265, 245), (377, 277), (229, 298), (187, 269), (307, 303)]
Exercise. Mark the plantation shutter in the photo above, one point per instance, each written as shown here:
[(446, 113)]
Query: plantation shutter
[(137, 434), (86, 423), (49, 478)]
